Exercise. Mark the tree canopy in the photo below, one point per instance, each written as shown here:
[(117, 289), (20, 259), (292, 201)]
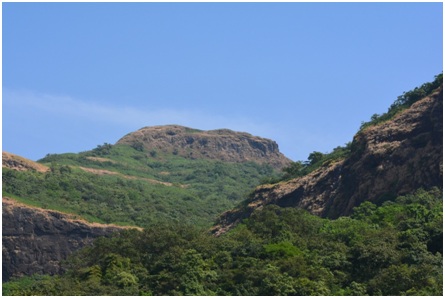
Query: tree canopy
[(391, 249)]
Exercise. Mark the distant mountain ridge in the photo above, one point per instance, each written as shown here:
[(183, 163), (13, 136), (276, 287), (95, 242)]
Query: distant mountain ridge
[(221, 144), (392, 158)]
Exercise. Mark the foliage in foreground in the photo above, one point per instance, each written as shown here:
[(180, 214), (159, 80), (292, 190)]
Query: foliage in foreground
[(393, 249)]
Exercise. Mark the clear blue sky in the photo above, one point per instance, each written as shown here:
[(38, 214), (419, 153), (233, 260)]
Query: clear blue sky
[(306, 75)]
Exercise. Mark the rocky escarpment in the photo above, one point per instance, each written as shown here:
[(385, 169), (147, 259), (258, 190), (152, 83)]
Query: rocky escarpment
[(221, 144), (36, 240), (392, 158)]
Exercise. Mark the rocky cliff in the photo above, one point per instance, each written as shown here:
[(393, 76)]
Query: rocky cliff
[(392, 158), (221, 144), (36, 240)]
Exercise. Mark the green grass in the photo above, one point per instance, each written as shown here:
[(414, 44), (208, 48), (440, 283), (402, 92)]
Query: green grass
[(56, 207), (201, 189)]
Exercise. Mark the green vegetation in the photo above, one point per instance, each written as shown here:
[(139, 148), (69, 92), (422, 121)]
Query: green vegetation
[(139, 189), (394, 249), (317, 159), (404, 101)]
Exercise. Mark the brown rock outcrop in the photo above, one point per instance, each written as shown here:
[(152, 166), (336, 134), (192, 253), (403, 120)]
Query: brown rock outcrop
[(393, 158), (221, 144), (36, 240), (19, 163)]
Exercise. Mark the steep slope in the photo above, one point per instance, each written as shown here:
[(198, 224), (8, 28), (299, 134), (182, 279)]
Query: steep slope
[(221, 144), (35, 240), (389, 159)]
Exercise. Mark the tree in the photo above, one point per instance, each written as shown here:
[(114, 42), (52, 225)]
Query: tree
[(294, 170), (194, 274), (102, 149), (139, 146), (315, 157)]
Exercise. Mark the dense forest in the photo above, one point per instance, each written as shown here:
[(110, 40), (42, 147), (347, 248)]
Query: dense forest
[(393, 249)]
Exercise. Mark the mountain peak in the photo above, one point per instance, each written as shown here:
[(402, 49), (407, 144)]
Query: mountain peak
[(219, 144)]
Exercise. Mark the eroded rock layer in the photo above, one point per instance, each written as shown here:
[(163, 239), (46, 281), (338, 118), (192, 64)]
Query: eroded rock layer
[(392, 158), (36, 240), (221, 144)]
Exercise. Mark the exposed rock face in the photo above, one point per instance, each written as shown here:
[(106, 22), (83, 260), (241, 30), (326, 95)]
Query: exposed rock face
[(392, 158), (36, 240), (221, 144), (19, 163)]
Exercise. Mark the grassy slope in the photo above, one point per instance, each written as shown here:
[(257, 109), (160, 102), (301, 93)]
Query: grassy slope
[(138, 188)]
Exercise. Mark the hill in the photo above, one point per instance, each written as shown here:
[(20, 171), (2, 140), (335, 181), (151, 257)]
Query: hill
[(365, 219), (391, 157), (221, 144), (129, 185), (141, 179)]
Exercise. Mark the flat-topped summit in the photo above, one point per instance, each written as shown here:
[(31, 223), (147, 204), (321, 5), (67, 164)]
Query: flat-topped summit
[(220, 144)]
